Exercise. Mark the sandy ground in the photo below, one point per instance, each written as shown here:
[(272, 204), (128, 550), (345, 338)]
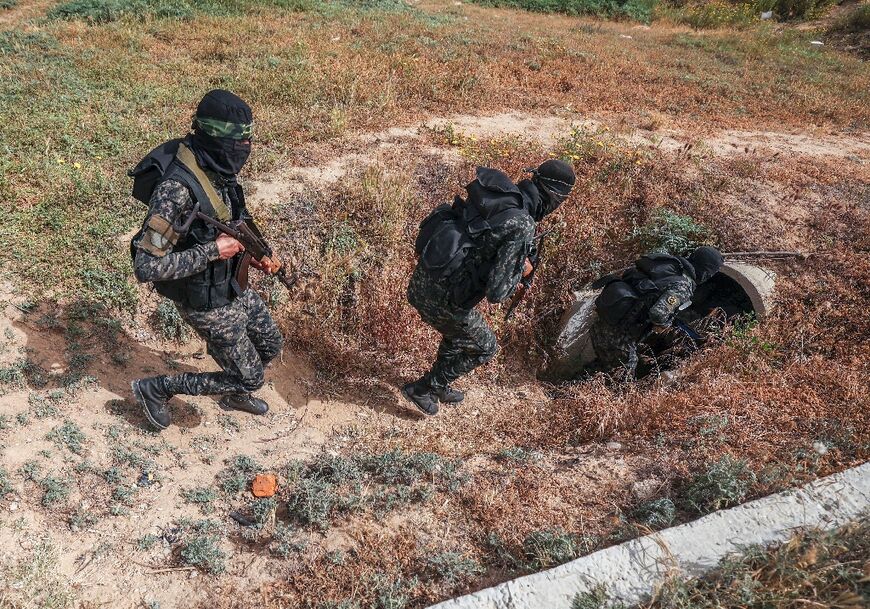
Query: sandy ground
[(547, 130)]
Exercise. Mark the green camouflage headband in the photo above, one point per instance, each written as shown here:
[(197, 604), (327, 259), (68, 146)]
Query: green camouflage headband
[(218, 128)]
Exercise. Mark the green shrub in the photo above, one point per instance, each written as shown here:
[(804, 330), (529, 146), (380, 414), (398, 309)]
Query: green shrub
[(203, 497), (238, 476), (725, 483), (855, 22), (656, 513), (54, 490), (640, 10), (204, 551), (5, 484), (453, 567), (719, 14), (548, 548), (787, 10), (69, 434), (284, 541), (170, 323), (670, 232), (594, 599)]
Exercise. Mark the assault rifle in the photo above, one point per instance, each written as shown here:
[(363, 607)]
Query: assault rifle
[(534, 256), (689, 331), (249, 236)]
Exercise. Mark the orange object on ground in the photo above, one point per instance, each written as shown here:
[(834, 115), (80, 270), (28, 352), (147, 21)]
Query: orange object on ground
[(265, 485)]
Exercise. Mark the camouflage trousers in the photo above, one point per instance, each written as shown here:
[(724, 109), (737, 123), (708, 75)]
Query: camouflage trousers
[(467, 341), (242, 338), (615, 350)]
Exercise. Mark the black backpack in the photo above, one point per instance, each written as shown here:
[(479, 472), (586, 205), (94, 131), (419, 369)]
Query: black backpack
[(625, 300), (151, 169), (171, 160), (449, 232)]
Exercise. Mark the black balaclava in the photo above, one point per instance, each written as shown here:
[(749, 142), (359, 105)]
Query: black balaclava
[(554, 180), (707, 261), (222, 129)]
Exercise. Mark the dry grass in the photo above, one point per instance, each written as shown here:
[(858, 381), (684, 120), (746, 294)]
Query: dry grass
[(764, 395)]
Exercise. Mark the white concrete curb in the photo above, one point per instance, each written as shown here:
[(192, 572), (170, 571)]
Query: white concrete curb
[(631, 571)]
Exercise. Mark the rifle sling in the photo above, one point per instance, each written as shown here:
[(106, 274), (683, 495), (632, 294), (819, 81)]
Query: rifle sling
[(187, 160)]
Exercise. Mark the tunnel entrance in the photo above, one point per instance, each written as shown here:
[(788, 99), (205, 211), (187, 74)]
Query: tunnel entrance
[(737, 290), (721, 292)]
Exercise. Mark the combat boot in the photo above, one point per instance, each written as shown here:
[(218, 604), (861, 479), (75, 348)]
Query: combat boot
[(422, 395), (244, 402), (448, 395), (151, 394)]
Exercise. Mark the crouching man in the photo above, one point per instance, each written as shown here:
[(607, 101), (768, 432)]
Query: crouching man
[(645, 298), (474, 249), (199, 268)]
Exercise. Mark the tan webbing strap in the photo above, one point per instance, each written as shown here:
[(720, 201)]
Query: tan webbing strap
[(186, 157)]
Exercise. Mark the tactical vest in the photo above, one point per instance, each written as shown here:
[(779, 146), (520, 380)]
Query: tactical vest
[(625, 301), (216, 286), (451, 232)]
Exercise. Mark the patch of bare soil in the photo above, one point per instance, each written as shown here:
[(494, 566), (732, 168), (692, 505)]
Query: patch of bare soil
[(337, 160)]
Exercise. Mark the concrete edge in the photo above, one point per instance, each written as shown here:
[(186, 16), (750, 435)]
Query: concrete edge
[(632, 571), (758, 282)]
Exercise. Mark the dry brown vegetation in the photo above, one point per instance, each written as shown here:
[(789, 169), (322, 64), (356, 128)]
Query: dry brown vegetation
[(539, 482)]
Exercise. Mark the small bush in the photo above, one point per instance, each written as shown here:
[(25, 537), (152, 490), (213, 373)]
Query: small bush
[(718, 14), (855, 22), (518, 454), (69, 434), (594, 599), (5, 484), (453, 567), (147, 542), (238, 476), (656, 513), (170, 323), (725, 483), (548, 548), (814, 569), (54, 490), (261, 511), (203, 497), (284, 542), (669, 232), (103, 11), (204, 551), (787, 10)]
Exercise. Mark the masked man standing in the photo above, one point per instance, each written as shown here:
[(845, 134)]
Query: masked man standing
[(477, 248), (196, 266), (645, 298)]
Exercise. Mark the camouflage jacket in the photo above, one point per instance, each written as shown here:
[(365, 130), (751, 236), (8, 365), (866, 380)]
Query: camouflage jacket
[(155, 258), (503, 251), (670, 301)]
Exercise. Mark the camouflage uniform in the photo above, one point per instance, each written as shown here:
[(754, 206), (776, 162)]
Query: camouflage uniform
[(467, 340), (242, 337), (616, 347)]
